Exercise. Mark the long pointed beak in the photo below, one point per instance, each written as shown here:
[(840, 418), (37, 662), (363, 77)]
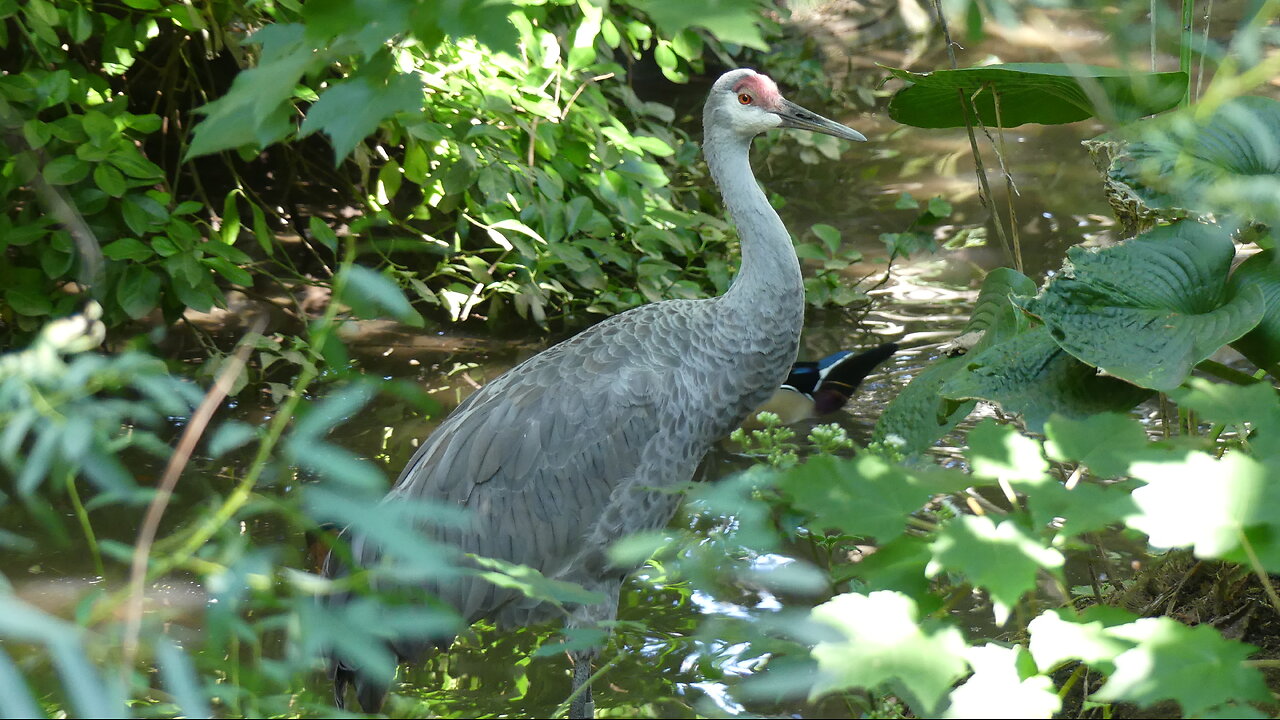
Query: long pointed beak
[(794, 116)]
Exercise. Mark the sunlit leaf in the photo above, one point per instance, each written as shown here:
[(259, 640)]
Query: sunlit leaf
[(1001, 687), (1174, 662), (880, 642), (1001, 558)]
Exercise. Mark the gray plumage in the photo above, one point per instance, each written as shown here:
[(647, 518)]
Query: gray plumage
[(583, 443)]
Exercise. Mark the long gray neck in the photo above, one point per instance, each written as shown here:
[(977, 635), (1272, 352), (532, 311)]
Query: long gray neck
[(768, 285)]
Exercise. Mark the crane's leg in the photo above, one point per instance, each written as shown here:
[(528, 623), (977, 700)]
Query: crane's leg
[(582, 705)]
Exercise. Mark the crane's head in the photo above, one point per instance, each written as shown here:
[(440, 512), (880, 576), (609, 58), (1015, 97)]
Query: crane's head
[(748, 103)]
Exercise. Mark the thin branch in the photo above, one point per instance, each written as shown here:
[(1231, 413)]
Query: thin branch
[(177, 463)]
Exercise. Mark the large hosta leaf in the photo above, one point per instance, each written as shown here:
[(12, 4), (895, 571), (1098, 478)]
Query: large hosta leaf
[(1261, 344), (920, 415), (1225, 163), (1149, 309), (1045, 93), (1033, 376)]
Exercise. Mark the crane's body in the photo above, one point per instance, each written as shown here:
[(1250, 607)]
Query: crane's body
[(587, 441)]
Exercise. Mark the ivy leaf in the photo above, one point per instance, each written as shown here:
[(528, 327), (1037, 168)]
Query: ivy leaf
[(999, 452), (1002, 559), (1084, 508), (350, 111), (1256, 405), (1173, 662), (866, 496), (1175, 511), (1056, 638), (1003, 673), (1105, 443), (881, 641)]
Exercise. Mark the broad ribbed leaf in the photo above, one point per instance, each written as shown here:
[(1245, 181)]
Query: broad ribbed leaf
[(920, 415), (1030, 375), (994, 312), (1225, 163), (1149, 309), (1045, 93), (1261, 344)]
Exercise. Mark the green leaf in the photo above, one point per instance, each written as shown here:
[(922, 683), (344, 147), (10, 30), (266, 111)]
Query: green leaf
[(1256, 405), (138, 291), (919, 415), (109, 179), (1030, 375), (881, 642), (1000, 681), (1226, 162), (1261, 344), (994, 311), (731, 21), (1175, 511), (28, 301), (1045, 93), (350, 111), (257, 109), (896, 565), (1147, 310), (142, 213), (180, 680), (1086, 507), (534, 584), (1056, 638), (127, 249), (1174, 662), (1002, 559), (999, 452), (1105, 443), (15, 698), (320, 232), (129, 160), (229, 270), (829, 236), (369, 291), (865, 497), (65, 170)]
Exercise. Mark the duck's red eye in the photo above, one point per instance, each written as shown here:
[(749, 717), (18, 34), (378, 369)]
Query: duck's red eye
[(744, 98)]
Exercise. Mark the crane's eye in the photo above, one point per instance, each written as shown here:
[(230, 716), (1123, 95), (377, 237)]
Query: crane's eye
[(744, 98)]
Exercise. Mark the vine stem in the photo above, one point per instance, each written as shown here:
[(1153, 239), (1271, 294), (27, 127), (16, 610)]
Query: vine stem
[(1260, 571), (243, 490), (563, 707), (191, 434)]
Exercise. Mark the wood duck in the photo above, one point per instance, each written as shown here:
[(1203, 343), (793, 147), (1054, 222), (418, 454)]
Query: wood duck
[(814, 389)]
